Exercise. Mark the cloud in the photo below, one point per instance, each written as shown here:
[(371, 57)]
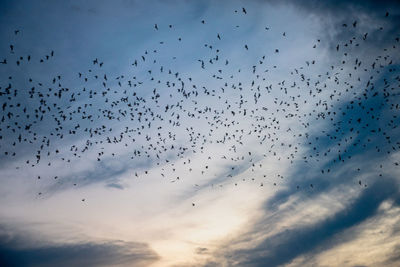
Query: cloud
[(342, 7), (14, 252), (284, 246), (369, 15), (395, 259), (115, 185)]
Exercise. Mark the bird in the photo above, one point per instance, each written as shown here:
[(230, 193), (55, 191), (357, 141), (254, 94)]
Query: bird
[(156, 111)]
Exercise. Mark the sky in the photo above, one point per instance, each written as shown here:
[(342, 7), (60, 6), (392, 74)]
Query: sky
[(199, 133)]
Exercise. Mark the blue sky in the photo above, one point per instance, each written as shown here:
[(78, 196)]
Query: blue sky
[(199, 133)]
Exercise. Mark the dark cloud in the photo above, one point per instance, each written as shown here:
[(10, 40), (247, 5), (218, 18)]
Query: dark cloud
[(13, 252), (285, 246)]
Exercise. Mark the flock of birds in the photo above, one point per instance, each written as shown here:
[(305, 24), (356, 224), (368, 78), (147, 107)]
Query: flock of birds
[(160, 115)]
